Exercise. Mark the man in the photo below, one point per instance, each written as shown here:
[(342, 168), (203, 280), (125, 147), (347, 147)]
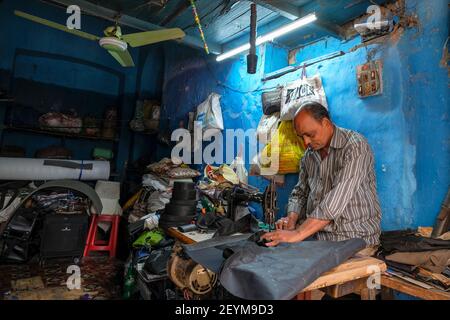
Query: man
[(336, 191)]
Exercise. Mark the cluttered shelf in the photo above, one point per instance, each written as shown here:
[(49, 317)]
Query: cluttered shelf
[(59, 134)]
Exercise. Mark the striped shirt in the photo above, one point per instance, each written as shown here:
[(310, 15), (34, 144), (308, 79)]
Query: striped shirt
[(340, 188)]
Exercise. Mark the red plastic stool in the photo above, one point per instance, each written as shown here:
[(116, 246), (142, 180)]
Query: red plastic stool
[(100, 245)]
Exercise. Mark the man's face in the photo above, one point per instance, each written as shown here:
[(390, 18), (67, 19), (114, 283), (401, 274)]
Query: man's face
[(315, 134)]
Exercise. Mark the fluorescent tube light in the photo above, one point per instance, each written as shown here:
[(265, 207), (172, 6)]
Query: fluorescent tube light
[(270, 36)]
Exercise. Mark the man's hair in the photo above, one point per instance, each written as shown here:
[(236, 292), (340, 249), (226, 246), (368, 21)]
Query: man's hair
[(315, 109)]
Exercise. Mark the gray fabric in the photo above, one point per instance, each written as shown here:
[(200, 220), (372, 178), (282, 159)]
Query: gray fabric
[(209, 253), (340, 188), (261, 273), (280, 273)]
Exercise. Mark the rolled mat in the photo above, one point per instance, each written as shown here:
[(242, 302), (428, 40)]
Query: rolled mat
[(48, 169)]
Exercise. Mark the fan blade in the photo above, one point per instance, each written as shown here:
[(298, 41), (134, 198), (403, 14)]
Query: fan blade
[(149, 37), (123, 57), (55, 25)]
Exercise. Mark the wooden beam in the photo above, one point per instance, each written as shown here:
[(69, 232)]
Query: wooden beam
[(176, 13), (293, 13), (287, 10), (332, 29)]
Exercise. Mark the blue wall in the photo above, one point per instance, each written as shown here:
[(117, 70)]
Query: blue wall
[(407, 127), (48, 68)]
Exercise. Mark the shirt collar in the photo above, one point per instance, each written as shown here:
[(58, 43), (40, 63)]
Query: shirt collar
[(339, 139)]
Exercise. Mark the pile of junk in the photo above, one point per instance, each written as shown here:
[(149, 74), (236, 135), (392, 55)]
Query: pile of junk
[(45, 221), (176, 197)]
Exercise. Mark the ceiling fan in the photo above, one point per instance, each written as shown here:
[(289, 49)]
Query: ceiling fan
[(114, 41)]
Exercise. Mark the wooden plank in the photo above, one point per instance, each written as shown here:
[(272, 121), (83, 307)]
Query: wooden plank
[(435, 276), (191, 236), (352, 269), (285, 9), (368, 294), (410, 280), (303, 296), (340, 290), (173, 232), (413, 290), (387, 293)]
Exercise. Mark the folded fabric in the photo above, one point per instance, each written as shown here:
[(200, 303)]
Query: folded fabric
[(435, 261), (407, 241)]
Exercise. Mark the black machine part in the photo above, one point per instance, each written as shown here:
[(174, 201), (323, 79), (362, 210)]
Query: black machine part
[(237, 196), (442, 224), (270, 204), (188, 275), (252, 58)]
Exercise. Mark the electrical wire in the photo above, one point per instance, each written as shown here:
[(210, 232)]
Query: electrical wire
[(202, 18)]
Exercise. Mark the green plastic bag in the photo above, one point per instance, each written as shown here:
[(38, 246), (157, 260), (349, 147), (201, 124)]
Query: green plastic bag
[(149, 238)]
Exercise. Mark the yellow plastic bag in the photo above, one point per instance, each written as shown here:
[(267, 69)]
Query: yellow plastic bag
[(289, 149)]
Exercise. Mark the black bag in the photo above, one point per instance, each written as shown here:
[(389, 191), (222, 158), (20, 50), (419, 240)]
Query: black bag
[(156, 262), (271, 102), (64, 235)]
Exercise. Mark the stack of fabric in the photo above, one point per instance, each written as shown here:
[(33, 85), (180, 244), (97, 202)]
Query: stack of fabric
[(412, 254)]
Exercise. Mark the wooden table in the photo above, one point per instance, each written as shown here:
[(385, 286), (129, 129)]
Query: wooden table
[(352, 276), (349, 277), (390, 283)]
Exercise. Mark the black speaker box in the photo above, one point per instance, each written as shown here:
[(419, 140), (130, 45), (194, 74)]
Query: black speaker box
[(64, 235)]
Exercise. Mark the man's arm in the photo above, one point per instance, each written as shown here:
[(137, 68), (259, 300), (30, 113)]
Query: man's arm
[(304, 231), (348, 180), (297, 199)]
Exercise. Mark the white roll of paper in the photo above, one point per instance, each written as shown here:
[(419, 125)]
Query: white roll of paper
[(51, 169)]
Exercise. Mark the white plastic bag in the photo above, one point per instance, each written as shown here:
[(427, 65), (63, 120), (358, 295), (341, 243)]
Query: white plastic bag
[(150, 180), (238, 166), (209, 113), (267, 126), (299, 92)]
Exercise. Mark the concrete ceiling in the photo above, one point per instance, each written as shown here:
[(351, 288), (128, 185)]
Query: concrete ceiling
[(227, 20)]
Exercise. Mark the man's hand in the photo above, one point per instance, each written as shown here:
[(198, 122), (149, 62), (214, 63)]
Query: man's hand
[(287, 223), (279, 236), (307, 229)]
